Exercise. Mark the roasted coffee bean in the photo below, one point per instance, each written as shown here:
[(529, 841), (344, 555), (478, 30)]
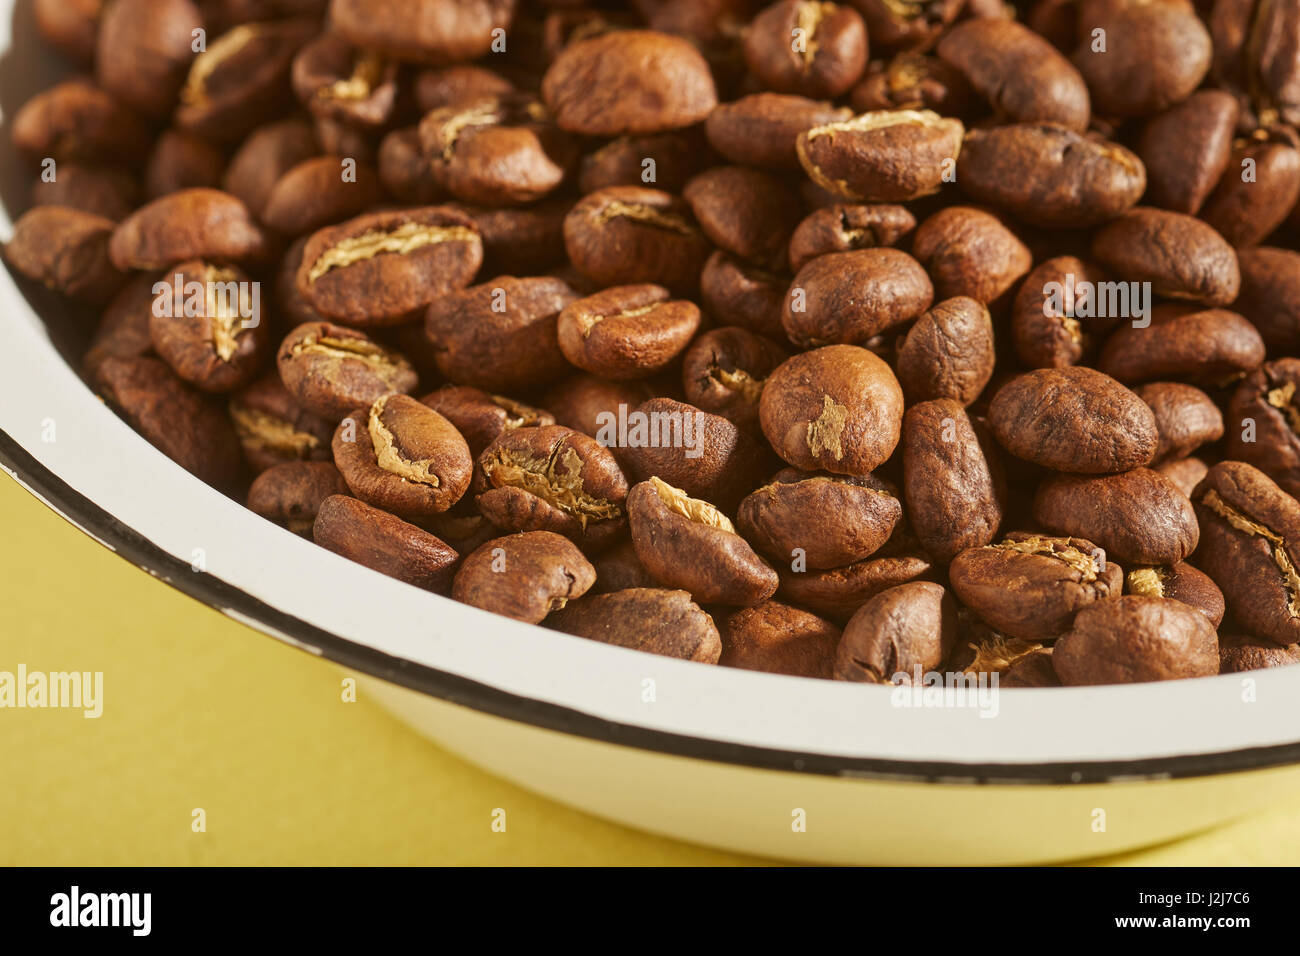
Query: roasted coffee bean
[(618, 568), (585, 403), (1154, 54), (1073, 419), (1258, 189), (207, 324), (100, 191), (1185, 473), (948, 352), (705, 455), (839, 592), (382, 268), (628, 331), (1137, 516), (1250, 533), (291, 493), (723, 373), (689, 544), (242, 78), (1181, 582), (442, 33), (400, 455), (1018, 72), (330, 370), (952, 479), (265, 156), (496, 151), (500, 335), (78, 122), (66, 250), (182, 161), (968, 251), (191, 224), (743, 295), (779, 639), (747, 212), (761, 129), (335, 80), (273, 428), (897, 635), (913, 81), (1270, 295), (837, 409), (654, 620), (1241, 652), (629, 82), (528, 239), (188, 427), (481, 417), (841, 228), (1054, 316), (552, 478), (1031, 670), (404, 172), (70, 26), (1048, 175), (1030, 586), (1204, 346), (885, 156), (1186, 150), (123, 329), (316, 192), (143, 51), (1264, 422), (1186, 418), (821, 521), (627, 234), (663, 160), (1182, 257), (896, 26), (807, 47), (384, 543), (1135, 638), (849, 297)]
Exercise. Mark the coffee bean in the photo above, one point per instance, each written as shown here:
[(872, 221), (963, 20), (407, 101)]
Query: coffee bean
[(744, 295), (839, 592), (191, 224), (314, 194), (952, 479), (628, 81), (779, 639), (913, 81), (1182, 257), (583, 402), (1048, 175), (842, 228), (626, 235), (893, 26), (1205, 346), (948, 352), (654, 620), (1030, 586), (100, 191), (500, 335), (627, 331), (687, 543), (123, 329), (529, 238), (1186, 150), (1047, 328), (335, 80), (1136, 638), (1185, 473), (384, 543), (745, 211), (1186, 418), (1258, 189), (884, 156), (552, 478), (381, 268), (968, 251), (481, 417), (330, 370), (291, 493), (1264, 420), (452, 33), (404, 172), (1250, 529), (837, 409), (906, 629), (807, 47), (77, 121), (761, 129), (70, 26), (1181, 582), (1137, 516), (66, 250), (1241, 652), (274, 429), (1018, 72), (265, 156), (182, 161), (143, 51), (723, 373), (1073, 419), (664, 160), (1270, 295), (849, 297)]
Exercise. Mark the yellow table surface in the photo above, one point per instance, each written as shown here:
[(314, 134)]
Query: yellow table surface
[(202, 712)]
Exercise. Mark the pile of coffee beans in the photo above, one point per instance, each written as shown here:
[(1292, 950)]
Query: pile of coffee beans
[(860, 339)]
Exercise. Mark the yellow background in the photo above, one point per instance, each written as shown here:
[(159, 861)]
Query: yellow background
[(202, 712)]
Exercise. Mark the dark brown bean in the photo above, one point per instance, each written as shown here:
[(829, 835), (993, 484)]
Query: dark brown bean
[(190, 224), (841, 228), (654, 620), (885, 156), (273, 428), (1186, 418), (1181, 582), (970, 252), (1182, 257), (761, 129), (66, 250), (1186, 150), (291, 493), (626, 332), (898, 635), (384, 543), (849, 297), (1136, 638), (1204, 346), (330, 370), (779, 639), (948, 352), (807, 47), (723, 373)]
